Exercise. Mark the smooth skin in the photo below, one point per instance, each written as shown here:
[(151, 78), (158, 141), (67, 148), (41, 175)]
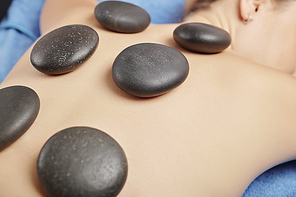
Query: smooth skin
[(231, 120)]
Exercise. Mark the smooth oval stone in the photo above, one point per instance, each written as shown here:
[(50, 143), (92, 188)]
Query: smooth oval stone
[(64, 49), (122, 17), (202, 38), (19, 107), (148, 69), (80, 162)]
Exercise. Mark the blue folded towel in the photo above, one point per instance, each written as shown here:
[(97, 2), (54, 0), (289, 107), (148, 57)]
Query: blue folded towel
[(279, 181), (20, 28), (161, 11)]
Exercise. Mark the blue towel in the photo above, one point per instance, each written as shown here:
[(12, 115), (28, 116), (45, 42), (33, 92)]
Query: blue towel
[(161, 11), (20, 29), (279, 181)]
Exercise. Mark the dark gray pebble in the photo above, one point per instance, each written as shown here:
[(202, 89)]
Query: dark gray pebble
[(202, 38), (19, 107), (148, 69), (122, 17), (64, 49), (82, 162)]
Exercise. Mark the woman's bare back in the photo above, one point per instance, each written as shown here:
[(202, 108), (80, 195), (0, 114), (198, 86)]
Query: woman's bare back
[(227, 123)]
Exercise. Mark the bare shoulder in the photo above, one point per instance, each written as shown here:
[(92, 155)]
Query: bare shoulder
[(59, 13)]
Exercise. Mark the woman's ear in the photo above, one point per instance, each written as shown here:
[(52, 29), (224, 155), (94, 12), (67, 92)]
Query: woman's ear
[(249, 8)]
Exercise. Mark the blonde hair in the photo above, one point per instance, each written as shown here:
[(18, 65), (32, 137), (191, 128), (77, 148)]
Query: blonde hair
[(201, 4)]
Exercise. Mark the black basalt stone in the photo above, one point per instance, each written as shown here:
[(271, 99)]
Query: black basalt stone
[(202, 38), (82, 162), (19, 107), (64, 49), (148, 69), (122, 17)]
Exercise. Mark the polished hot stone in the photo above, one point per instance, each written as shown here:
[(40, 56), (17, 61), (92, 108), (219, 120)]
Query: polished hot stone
[(122, 17), (19, 107), (149, 69), (64, 49), (202, 38), (80, 162)]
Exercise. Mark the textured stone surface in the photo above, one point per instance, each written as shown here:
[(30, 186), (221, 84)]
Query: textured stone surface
[(148, 69), (122, 17), (202, 38), (64, 49), (19, 107), (80, 162)]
